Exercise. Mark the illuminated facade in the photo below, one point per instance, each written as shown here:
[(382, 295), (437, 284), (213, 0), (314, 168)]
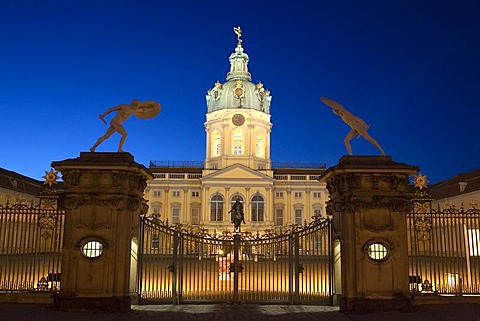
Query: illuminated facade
[(237, 166), (460, 191), (16, 188)]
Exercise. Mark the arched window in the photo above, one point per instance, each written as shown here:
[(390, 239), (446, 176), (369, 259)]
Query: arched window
[(237, 143), (216, 208), (259, 146), (235, 197), (258, 208), (216, 144)]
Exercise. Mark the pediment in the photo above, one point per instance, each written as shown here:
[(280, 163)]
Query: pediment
[(237, 172)]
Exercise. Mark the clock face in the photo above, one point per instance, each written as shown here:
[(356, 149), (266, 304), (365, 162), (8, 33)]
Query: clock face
[(238, 120)]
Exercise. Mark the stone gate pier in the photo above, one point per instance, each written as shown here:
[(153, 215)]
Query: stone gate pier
[(103, 203), (369, 203)]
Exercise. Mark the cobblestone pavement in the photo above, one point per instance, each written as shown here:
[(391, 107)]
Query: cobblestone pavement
[(226, 312)]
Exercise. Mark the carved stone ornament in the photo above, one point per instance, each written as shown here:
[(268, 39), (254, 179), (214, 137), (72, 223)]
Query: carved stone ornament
[(137, 182), (93, 221), (72, 178), (74, 201), (353, 181), (354, 204), (133, 204), (118, 179)]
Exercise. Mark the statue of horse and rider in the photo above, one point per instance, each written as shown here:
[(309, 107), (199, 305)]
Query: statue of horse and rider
[(237, 216)]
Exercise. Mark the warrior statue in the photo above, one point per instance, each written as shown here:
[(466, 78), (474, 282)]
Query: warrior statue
[(357, 125), (145, 110), (237, 216)]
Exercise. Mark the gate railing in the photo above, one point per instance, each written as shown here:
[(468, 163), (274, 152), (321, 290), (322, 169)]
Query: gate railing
[(444, 248), (178, 266), (31, 239)]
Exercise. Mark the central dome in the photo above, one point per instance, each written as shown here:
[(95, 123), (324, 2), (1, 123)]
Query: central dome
[(238, 91)]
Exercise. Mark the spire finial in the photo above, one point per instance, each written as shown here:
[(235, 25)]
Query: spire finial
[(238, 32)]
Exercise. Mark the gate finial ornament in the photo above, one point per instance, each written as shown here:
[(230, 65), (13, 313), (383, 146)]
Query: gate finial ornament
[(359, 127)]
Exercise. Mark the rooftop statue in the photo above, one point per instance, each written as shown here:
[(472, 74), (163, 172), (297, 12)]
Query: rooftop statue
[(359, 127), (238, 32), (145, 110)]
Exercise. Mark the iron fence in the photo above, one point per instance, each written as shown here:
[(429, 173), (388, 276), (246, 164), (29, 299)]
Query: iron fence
[(31, 239), (444, 249)]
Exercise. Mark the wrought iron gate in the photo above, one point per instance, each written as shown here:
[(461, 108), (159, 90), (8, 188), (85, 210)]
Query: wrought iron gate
[(178, 266), (444, 248), (31, 240)]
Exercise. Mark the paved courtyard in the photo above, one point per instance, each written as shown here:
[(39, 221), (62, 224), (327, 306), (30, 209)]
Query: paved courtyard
[(221, 312)]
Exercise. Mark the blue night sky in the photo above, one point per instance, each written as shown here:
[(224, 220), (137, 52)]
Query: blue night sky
[(411, 69)]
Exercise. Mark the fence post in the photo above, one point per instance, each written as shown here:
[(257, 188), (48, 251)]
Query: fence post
[(297, 269), (103, 197), (369, 203), (236, 265)]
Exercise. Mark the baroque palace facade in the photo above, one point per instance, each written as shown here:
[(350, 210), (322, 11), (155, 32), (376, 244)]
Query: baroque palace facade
[(237, 166)]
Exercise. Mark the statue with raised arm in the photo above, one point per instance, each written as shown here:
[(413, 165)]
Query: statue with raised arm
[(238, 32), (359, 127), (145, 110)]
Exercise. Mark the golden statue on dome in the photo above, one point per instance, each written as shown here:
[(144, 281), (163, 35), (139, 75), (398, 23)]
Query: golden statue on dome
[(238, 32)]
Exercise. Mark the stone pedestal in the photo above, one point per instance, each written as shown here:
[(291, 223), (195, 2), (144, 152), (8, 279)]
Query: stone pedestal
[(369, 202), (103, 199)]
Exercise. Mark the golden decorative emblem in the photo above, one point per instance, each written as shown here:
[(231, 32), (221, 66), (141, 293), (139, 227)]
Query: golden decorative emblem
[(50, 177), (239, 89), (420, 181)]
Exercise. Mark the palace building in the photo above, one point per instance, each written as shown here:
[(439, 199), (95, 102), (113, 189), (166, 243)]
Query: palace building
[(237, 166)]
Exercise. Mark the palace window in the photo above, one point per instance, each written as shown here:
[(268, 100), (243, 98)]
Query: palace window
[(216, 144), (258, 208), (156, 210), (157, 193), (278, 194), (237, 143), (317, 194), (235, 198), (195, 213), (195, 194), (298, 194), (298, 216), (259, 146), (176, 193), (175, 214), (154, 244), (317, 211), (279, 217), (216, 208)]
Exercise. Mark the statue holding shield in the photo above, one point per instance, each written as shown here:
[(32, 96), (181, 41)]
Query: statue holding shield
[(145, 110)]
